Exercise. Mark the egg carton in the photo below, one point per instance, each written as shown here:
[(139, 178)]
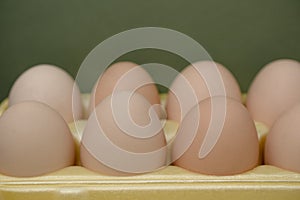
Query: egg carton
[(171, 182)]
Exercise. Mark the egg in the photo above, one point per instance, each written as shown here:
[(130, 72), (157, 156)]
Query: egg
[(50, 85), (123, 136), (124, 76), (34, 140), (235, 147), (275, 89), (191, 86), (282, 148)]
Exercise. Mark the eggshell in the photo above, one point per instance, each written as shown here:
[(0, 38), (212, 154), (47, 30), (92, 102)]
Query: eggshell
[(110, 145), (190, 87), (50, 85), (124, 76), (275, 89), (282, 148), (236, 149), (34, 140)]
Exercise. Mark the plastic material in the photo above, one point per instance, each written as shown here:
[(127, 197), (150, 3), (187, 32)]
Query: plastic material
[(264, 182), (76, 182)]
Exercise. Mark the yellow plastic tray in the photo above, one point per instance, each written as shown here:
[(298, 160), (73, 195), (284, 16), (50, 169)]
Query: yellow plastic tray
[(170, 183), (76, 182)]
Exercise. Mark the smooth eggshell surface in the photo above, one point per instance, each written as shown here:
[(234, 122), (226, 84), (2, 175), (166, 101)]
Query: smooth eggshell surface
[(275, 89), (237, 148), (52, 86), (282, 148), (124, 76), (193, 85), (34, 140), (117, 134)]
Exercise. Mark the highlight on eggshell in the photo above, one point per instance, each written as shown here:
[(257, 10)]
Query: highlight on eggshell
[(123, 127), (197, 82), (236, 149), (275, 89), (34, 140), (125, 76), (50, 85), (282, 148)]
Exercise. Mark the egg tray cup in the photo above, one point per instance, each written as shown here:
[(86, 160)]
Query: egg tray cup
[(171, 182)]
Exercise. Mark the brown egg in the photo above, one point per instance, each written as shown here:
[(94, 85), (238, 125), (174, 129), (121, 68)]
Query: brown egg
[(282, 148), (34, 140), (123, 136), (50, 85), (189, 88), (274, 90), (235, 147), (124, 76)]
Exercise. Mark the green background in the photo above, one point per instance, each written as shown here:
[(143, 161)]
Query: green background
[(242, 35)]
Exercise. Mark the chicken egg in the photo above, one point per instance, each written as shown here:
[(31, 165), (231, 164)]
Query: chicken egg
[(234, 150), (34, 140), (275, 89), (190, 87), (282, 147), (50, 85), (123, 136), (124, 76)]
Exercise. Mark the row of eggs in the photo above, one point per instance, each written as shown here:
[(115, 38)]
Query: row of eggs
[(35, 138)]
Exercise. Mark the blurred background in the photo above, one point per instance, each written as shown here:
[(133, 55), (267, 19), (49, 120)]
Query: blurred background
[(242, 35)]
